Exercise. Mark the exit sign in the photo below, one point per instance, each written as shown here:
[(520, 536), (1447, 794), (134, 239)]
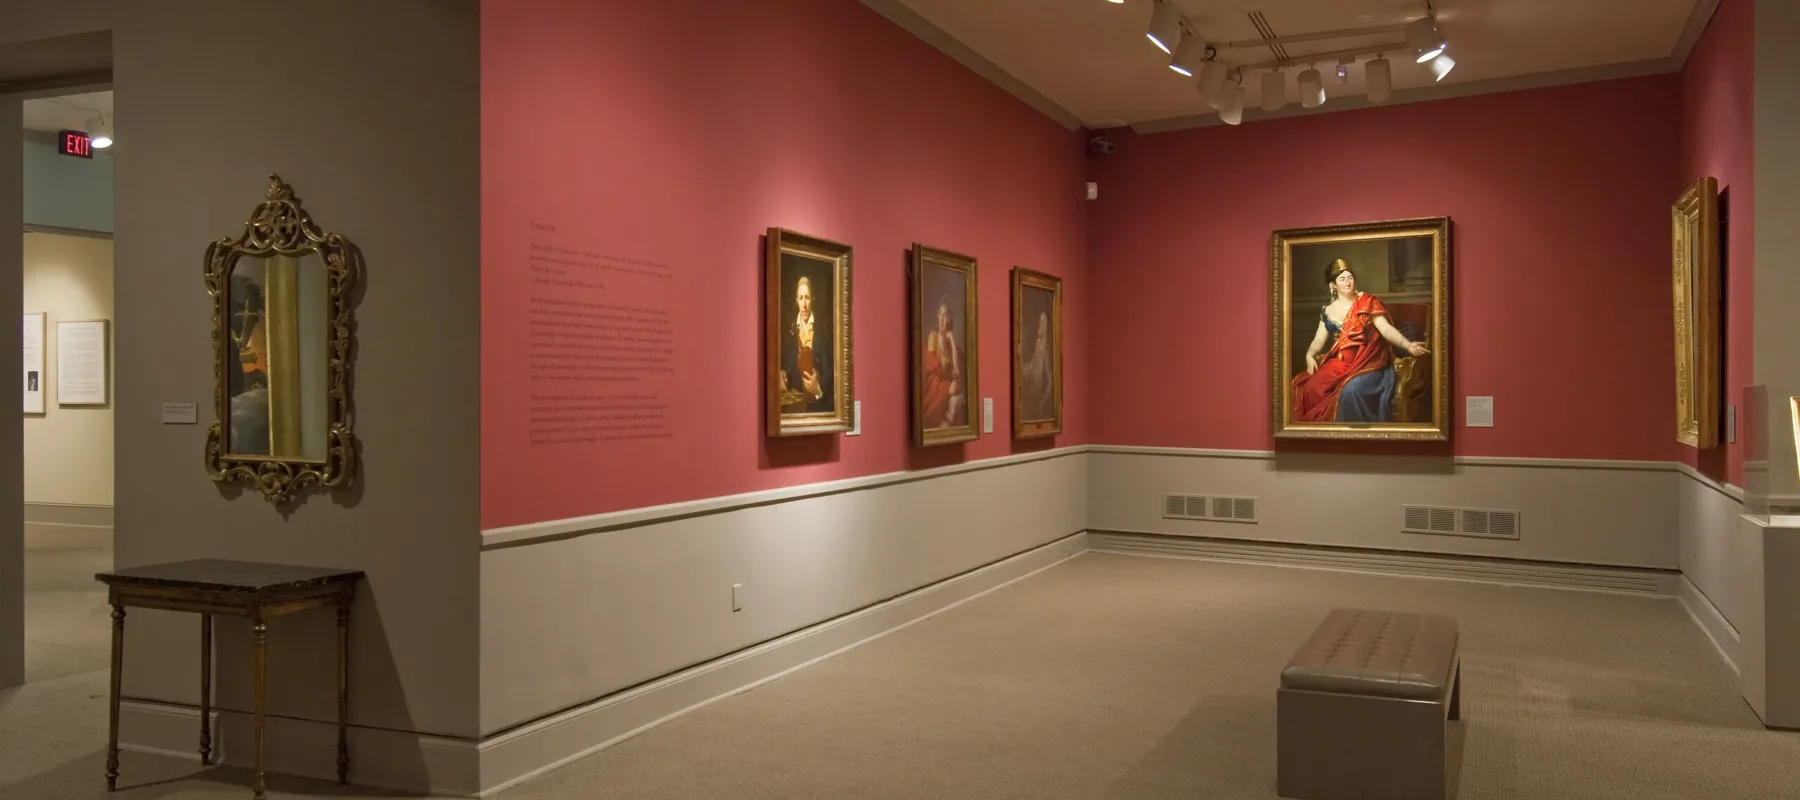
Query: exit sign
[(74, 143)]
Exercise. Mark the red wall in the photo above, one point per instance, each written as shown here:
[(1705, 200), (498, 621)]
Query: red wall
[(675, 133), (1716, 137), (1560, 200)]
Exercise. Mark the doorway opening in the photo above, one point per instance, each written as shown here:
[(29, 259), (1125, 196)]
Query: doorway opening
[(67, 380)]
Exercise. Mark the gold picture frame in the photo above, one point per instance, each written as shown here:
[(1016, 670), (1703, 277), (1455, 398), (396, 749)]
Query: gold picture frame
[(1389, 376), (1694, 246), (295, 330), (946, 362), (1037, 354), (809, 369)]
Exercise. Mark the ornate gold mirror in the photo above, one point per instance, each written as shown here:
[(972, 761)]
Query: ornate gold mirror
[(281, 347)]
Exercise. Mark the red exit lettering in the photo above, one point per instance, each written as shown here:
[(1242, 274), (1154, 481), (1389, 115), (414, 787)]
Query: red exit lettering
[(75, 143)]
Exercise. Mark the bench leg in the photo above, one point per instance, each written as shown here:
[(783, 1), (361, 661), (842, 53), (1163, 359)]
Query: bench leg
[(1456, 692)]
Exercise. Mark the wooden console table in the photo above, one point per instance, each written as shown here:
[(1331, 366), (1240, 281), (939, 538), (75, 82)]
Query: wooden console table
[(239, 588)]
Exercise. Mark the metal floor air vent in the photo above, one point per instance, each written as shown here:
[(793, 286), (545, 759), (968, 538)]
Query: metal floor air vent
[(1479, 522), (1209, 507)]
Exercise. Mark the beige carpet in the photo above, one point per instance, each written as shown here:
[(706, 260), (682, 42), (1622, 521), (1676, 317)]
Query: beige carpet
[(1114, 677)]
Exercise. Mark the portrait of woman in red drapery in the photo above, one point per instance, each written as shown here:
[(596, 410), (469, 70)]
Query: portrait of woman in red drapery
[(944, 404), (1348, 375)]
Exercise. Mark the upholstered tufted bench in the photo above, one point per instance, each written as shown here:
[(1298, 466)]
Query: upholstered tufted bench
[(1363, 707)]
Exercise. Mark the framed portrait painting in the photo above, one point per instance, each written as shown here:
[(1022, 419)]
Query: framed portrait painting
[(1037, 349), (807, 335), (945, 365), (1695, 244), (1361, 333)]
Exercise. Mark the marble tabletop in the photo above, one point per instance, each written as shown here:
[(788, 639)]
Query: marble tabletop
[(219, 575)]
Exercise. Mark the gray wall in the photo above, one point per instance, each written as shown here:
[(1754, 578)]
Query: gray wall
[(299, 86), (64, 191), (12, 477)]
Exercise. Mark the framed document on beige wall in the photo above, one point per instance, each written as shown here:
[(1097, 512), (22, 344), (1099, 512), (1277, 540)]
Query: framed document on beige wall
[(33, 376), (81, 363)]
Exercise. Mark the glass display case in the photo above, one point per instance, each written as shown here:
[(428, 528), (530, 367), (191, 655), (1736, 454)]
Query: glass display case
[(1770, 432)]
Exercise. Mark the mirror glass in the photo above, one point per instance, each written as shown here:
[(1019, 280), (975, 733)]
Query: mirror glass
[(277, 393)]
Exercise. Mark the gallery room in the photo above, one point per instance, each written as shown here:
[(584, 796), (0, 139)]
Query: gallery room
[(902, 399)]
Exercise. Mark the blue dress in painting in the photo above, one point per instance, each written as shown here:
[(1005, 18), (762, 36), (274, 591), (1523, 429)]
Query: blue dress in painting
[(1368, 397)]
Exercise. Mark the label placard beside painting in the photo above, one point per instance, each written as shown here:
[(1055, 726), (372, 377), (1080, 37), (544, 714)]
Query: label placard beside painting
[(81, 363), (32, 378)]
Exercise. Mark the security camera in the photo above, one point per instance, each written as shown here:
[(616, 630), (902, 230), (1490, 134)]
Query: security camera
[(1102, 146)]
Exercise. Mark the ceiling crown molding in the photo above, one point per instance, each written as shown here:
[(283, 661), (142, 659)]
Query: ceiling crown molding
[(897, 12)]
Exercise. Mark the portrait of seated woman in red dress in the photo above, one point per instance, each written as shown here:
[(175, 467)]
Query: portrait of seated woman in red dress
[(1349, 375)]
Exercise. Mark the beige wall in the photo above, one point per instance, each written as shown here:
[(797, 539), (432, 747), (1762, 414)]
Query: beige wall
[(1601, 513), (566, 621), (212, 96), (68, 449)]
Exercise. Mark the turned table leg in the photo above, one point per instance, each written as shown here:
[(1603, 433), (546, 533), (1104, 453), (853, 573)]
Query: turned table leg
[(260, 640), (206, 637), (118, 664)]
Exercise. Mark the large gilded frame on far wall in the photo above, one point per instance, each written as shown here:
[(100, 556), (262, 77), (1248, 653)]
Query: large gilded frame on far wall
[(1398, 386), (282, 329), (809, 370), (1694, 240)]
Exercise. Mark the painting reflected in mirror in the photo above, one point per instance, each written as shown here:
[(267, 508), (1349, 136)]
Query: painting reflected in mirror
[(282, 325)]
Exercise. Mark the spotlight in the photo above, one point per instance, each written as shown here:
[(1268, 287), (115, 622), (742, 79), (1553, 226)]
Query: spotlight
[(1312, 89), (1233, 112), (1380, 75), (1274, 90), (1116, 2), (1190, 55), (1441, 66), (1212, 83), (1165, 25), (1423, 37), (99, 132)]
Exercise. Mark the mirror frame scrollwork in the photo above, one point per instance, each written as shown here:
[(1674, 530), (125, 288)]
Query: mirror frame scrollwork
[(281, 226)]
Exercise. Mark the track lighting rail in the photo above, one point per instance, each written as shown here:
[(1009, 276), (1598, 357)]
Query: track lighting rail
[(1345, 33)]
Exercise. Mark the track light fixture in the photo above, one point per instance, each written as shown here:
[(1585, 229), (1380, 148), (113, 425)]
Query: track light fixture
[(1274, 90), (1233, 112), (1165, 25), (1190, 55), (1423, 37), (99, 132), (1441, 66), (1379, 74), (1212, 83), (1312, 88)]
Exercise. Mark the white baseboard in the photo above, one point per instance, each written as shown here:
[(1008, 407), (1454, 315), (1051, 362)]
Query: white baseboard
[(1659, 583), (526, 752), (1718, 629), (57, 526), (401, 760)]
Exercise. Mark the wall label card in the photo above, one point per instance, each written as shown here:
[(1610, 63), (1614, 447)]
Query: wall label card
[(180, 413), (987, 415), (1480, 412), (32, 379), (81, 363)]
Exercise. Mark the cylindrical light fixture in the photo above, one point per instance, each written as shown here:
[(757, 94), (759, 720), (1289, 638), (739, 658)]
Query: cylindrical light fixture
[(1233, 112), (99, 132), (1212, 83), (1274, 90), (1441, 66), (1190, 55), (1312, 88), (1423, 37), (1165, 25), (1380, 76)]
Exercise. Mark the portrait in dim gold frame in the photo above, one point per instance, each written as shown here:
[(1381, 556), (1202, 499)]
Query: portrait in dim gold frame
[(1037, 352), (1694, 240), (1361, 331), (808, 369), (946, 368)]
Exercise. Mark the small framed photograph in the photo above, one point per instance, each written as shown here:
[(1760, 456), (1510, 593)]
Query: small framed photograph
[(808, 365)]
